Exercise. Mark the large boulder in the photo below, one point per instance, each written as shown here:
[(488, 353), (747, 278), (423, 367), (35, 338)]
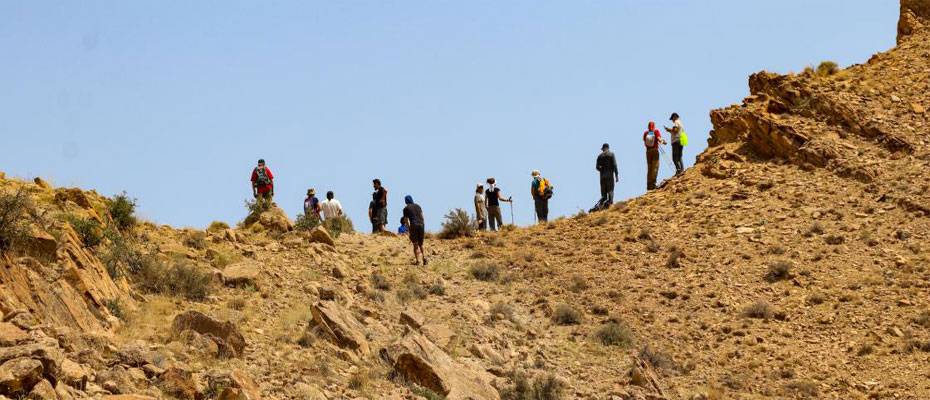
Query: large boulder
[(19, 375), (180, 384), (226, 334), (11, 334), (915, 16), (340, 326), (273, 219), (239, 386), (321, 235), (242, 273), (420, 361)]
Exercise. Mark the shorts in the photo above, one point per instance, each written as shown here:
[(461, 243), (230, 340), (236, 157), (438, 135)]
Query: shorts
[(417, 234)]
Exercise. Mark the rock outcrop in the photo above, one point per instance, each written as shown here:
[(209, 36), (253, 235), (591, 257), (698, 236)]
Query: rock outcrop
[(225, 334)]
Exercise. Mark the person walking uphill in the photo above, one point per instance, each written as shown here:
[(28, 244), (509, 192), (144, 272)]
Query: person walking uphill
[(494, 198), (679, 141), (262, 184), (379, 214), (312, 205), (541, 190), (651, 139), (416, 228), (610, 174)]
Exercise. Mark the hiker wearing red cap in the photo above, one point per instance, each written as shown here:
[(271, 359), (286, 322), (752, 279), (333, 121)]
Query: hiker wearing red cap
[(652, 139)]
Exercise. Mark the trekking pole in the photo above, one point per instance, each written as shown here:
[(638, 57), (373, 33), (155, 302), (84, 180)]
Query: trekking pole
[(511, 212), (666, 158)]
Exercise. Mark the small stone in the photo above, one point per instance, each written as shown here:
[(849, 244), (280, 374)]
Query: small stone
[(918, 109)]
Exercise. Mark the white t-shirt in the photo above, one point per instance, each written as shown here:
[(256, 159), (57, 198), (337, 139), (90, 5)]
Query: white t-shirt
[(331, 208)]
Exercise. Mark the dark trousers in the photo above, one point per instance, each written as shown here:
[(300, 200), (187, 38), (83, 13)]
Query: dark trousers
[(676, 157), (494, 217), (542, 209), (607, 190), (652, 163)]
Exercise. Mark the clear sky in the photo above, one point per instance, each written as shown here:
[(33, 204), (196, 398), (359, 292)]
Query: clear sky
[(174, 101)]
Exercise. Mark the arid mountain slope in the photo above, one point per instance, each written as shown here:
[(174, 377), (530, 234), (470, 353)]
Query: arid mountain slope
[(790, 262)]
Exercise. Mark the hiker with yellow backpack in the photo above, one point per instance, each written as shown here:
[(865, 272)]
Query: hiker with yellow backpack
[(679, 141), (541, 189)]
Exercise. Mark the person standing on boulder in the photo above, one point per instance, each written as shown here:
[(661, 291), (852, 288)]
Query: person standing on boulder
[(494, 198), (262, 184), (379, 211), (416, 228), (607, 167), (679, 140), (541, 191), (312, 205), (652, 139), (481, 208), (331, 207)]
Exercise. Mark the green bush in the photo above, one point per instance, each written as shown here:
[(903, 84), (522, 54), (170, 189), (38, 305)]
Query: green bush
[(88, 230), (14, 218), (457, 224), (306, 222), (256, 207), (196, 240), (336, 226), (121, 255), (180, 280), (122, 210)]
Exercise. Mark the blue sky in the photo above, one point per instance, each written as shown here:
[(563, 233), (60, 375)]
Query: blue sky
[(175, 101)]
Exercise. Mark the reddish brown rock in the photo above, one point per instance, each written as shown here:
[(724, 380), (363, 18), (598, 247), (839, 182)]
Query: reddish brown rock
[(225, 333), (340, 326)]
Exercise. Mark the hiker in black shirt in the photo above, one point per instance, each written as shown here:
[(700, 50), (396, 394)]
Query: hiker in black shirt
[(413, 214), (379, 214), (610, 174), (494, 198)]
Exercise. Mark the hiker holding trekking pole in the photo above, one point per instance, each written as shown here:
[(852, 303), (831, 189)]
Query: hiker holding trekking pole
[(494, 198)]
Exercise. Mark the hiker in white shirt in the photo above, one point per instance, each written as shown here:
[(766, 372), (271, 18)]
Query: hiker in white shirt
[(331, 207)]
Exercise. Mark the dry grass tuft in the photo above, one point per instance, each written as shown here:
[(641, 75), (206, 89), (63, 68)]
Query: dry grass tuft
[(565, 314), (485, 271)]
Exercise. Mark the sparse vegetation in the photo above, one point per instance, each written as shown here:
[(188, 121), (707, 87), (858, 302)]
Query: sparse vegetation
[(501, 311), (803, 388), (236, 303), (827, 68), (778, 271), (543, 387), (336, 226), (426, 393), (656, 358), (438, 288), (579, 283), (359, 380), (457, 224), (674, 258), (759, 310), (379, 281), (614, 334), (196, 240), (122, 210), (815, 229), (180, 280), (14, 218), (256, 207), (834, 239), (306, 222), (217, 226), (485, 271), (816, 299), (923, 319), (87, 229), (411, 289), (115, 306), (565, 314)]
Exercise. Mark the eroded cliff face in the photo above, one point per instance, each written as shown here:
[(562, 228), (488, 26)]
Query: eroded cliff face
[(915, 15)]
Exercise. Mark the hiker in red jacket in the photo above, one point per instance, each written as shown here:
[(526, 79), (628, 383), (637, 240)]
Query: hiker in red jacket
[(262, 183), (652, 139)]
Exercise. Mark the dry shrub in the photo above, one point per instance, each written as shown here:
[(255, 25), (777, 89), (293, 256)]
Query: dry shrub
[(759, 310), (827, 68), (457, 224), (379, 281), (543, 387), (485, 271), (501, 311), (217, 226), (834, 239), (196, 240), (14, 218), (614, 334), (579, 284), (180, 280), (411, 289), (336, 226), (236, 303), (438, 288), (816, 299), (656, 358), (803, 388), (674, 257), (565, 314), (923, 319), (778, 271)]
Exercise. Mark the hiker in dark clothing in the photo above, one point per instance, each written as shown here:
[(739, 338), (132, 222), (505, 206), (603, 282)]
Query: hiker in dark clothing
[(541, 191), (379, 214), (416, 228), (494, 198), (610, 174)]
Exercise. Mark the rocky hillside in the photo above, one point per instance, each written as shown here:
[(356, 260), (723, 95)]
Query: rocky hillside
[(790, 262)]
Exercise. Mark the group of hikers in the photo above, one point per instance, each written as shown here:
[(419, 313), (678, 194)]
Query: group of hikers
[(487, 199)]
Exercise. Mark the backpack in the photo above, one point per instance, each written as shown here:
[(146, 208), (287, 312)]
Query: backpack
[(545, 188), (649, 138), (262, 177), (683, 138)]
